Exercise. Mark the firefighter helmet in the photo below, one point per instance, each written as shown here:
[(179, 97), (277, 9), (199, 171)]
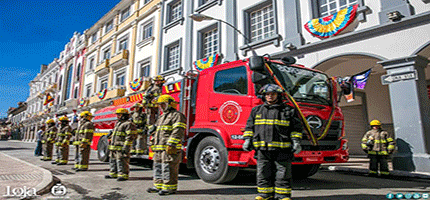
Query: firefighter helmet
[(270, 88), (64, 118), (375, 123), (50, 121), (165, 98), (85, 114), (121, 111), (159, 78)]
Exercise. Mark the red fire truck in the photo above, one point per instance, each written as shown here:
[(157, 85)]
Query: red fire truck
[(217, 102)]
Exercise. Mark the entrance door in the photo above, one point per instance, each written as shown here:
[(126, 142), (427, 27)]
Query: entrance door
[(355, 127)]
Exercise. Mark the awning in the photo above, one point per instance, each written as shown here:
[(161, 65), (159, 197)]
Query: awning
[(105, 118)]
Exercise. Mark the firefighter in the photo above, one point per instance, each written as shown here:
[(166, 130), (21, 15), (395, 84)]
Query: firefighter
[(378, 144), (120, 144), (166, 143), (63, 140), (48, 139), (139, 118), (83, 138), (274, 130), (150, 95)]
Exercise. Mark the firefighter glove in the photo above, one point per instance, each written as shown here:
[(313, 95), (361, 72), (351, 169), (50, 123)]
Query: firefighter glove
[(152, 129), (247, 145), (171, 150), (297, 148), (369, 144)]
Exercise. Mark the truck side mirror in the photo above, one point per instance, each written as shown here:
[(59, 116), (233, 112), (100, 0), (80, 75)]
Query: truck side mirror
[(256, 63), (288, 60), (258, 77)]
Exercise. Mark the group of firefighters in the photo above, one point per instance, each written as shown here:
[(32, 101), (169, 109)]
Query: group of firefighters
[(273, 130)]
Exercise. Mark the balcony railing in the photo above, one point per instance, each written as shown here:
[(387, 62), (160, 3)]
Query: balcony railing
[(103, 67), (115, 92), (120, 59)]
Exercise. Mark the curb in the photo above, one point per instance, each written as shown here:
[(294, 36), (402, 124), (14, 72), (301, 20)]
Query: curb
[(47, 180), (366, 171)]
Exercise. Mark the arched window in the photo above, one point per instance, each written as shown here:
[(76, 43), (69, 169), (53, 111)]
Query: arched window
[(78, 72), (69, 82)]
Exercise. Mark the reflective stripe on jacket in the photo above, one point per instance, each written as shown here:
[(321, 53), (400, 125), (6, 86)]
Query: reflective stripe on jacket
[(139, 118), (170, 130), (64, 134), (84, 133), (123, 135), (383, 142)]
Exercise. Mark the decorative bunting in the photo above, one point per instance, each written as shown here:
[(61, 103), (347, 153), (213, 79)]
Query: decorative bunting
[(136, 84), (48, 99), (207, 62), (333, 24), (102, 94), (82, 102)]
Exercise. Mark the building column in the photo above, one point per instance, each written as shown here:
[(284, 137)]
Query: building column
[(410, 106)]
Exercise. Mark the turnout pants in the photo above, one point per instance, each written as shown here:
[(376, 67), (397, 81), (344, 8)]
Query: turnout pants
[(76, 154), (47, 150), (166, 170), (57, 153), (274, 173), (378, 163), (119, 164), (64, 154), (83, 158), (139, 145)]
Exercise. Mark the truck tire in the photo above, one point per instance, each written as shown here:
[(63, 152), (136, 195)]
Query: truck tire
[(211, 161), (102, 149), (304, 171)]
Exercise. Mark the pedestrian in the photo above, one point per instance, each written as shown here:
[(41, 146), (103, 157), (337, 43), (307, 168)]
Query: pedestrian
[(83, 138), (49, 138), (120, 144), (274, 130), (150, 96), (38, 150), (166, 143), (63, 140), (379, 145), (139, 118)]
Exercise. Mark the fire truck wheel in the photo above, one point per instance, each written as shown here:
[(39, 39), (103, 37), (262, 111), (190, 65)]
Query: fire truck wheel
[(211, 161), (102, 149), (304, 171)]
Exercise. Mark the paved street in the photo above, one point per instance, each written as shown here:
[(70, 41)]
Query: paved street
[(91, 184)]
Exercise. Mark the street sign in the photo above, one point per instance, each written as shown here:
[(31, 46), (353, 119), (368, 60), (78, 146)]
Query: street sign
[(391, 78)]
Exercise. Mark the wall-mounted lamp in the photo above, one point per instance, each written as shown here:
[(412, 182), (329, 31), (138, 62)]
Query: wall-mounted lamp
[(394, 16)]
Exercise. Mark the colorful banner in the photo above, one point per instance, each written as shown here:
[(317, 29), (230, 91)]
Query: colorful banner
[(102, 94), (360, 79), (48, 99), (207, 62), (136, 84), (333, 24), (82, 102)]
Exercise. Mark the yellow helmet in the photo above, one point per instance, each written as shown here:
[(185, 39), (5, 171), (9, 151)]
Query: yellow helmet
[(165, 98), (85, 114), (375, 123), (121, 111), (50, 121), (159, 78), (64, 118)]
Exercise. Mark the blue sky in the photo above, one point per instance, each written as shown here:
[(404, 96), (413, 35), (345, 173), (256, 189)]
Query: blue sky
[(34, 32)]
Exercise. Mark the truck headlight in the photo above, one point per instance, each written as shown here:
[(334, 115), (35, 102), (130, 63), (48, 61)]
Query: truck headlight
[(345, 146)]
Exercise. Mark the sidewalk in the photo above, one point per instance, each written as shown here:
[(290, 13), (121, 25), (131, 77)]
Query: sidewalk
[(17, 174), (360, 165)]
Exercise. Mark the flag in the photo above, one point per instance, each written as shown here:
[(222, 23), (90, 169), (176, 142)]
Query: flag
[(48, 99), (360, 79)]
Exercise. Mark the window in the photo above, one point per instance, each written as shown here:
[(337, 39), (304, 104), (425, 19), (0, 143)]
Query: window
[(103, 84), (106, 54), (91, 64), (175, 11), (231, 81), (123, 45), (69, 82), (109, 26), (94, 37), (75, 95), (173, 58), (210, 43), (144, 69), (120, 78), (125, 14), (147, 1), (88, 89), (262, 24), (147, 31), (329, 7), (78, 72)]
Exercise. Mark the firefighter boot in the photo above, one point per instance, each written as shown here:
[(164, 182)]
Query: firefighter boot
[(152, 190), (264, 197), (166, 192), (286, 198)]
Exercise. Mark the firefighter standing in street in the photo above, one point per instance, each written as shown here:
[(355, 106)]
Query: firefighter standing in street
[(63, 141), (274, 130), (139, 118), (48, 140), (378, 144), (166, 144), (83, 138), (151, 94), (120, 144)]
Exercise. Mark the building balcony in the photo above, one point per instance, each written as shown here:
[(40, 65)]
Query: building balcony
[(103, 67), (71, 103), (94, 99), (115, 92), (119, 60)]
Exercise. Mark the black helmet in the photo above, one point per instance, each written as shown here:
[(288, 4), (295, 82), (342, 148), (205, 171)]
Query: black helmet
[(270, 88)]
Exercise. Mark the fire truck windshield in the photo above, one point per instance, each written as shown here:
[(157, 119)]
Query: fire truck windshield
[(303, 84)]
